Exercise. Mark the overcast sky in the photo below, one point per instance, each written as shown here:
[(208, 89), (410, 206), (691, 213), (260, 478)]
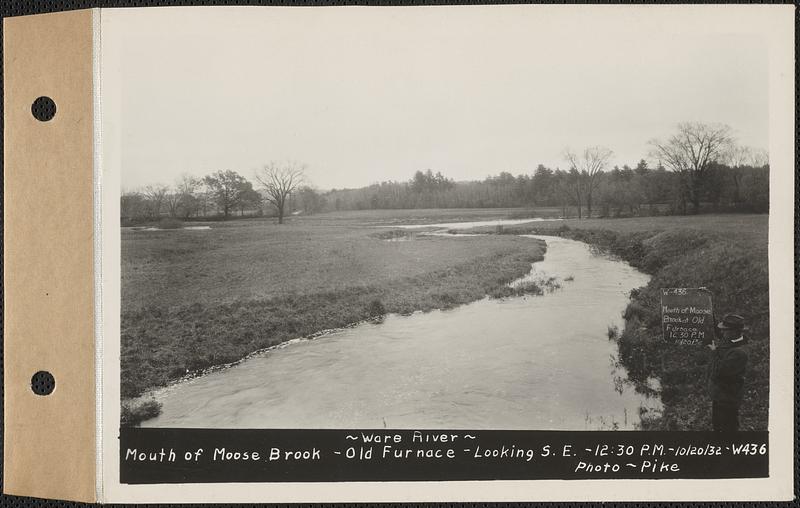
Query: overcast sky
[(366, 95)]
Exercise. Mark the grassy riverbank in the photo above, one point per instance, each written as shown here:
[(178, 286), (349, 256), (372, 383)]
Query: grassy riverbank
[(197, 299), (727, 254)]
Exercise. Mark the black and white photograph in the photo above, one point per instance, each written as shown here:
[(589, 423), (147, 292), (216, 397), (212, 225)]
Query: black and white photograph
[(440, 218), (363, 234)]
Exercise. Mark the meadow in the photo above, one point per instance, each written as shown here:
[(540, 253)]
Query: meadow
[(194, 299)]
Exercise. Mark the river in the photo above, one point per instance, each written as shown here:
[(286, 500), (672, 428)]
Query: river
[(472, 224), (534, 362)]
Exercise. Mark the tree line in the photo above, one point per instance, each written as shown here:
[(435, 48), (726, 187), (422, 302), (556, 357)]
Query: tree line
[(279, 189), (624, 191), (699, 167)]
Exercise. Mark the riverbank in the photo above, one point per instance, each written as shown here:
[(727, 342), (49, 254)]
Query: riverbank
[(198, 299), (726, 254)]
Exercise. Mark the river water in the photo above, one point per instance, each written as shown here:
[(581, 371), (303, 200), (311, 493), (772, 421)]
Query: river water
[(534, 362), (473, 224)]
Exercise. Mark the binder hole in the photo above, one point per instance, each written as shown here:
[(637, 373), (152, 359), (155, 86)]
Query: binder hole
[(43, 383), (43, 109)]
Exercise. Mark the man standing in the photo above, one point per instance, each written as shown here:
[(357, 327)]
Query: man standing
[(726, 374)]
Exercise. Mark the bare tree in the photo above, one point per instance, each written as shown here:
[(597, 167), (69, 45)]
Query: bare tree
[(691, 151), (186, 188), (587, 166), (279, 180), (759, 157), (738, 155), (740, 158), (173, 200), (155, 195)]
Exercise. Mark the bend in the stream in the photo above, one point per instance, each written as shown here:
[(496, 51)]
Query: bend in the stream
[(541, 362)]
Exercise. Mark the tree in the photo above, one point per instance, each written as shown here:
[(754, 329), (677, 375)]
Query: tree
[(173, 200), (656, 186), (738, 155), (428, 183), (155, 195), (279, 180), (740, 159), (188, 198), (204, 200), (133, 207), (543, 182), (563, 190), (588, 165), (759, 158), (690, 152), (755, 189), (310, 200), (620, 190), (226, 189), (249, 199), (573, 182)]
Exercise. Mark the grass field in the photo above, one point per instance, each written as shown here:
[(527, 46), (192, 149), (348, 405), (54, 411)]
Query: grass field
[(196, 299), (725, 253), (193, 299), (257, 259)]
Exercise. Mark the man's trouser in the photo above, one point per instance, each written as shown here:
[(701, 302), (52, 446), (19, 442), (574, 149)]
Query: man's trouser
[(724, 416)]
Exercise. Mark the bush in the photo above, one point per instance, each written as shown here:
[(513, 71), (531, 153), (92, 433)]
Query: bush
[(170, 223), (132, 413), (392, 234), (376, 308), (501, 292), (529, 287)]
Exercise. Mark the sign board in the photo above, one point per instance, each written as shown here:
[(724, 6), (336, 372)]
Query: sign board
[(687, 317)]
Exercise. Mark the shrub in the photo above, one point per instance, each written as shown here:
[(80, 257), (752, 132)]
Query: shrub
[(170, 223), (133, 413), (501, 292), (392, 234), (376, 308), (529, 287)]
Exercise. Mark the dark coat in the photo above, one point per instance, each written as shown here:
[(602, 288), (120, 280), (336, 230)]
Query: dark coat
[(726, 374)]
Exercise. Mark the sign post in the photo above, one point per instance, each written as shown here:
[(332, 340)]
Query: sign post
[(687, 316)]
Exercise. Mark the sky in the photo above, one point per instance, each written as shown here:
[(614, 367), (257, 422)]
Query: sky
[(363, 95)]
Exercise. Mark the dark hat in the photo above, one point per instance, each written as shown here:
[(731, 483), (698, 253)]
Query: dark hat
[(731, 322)]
